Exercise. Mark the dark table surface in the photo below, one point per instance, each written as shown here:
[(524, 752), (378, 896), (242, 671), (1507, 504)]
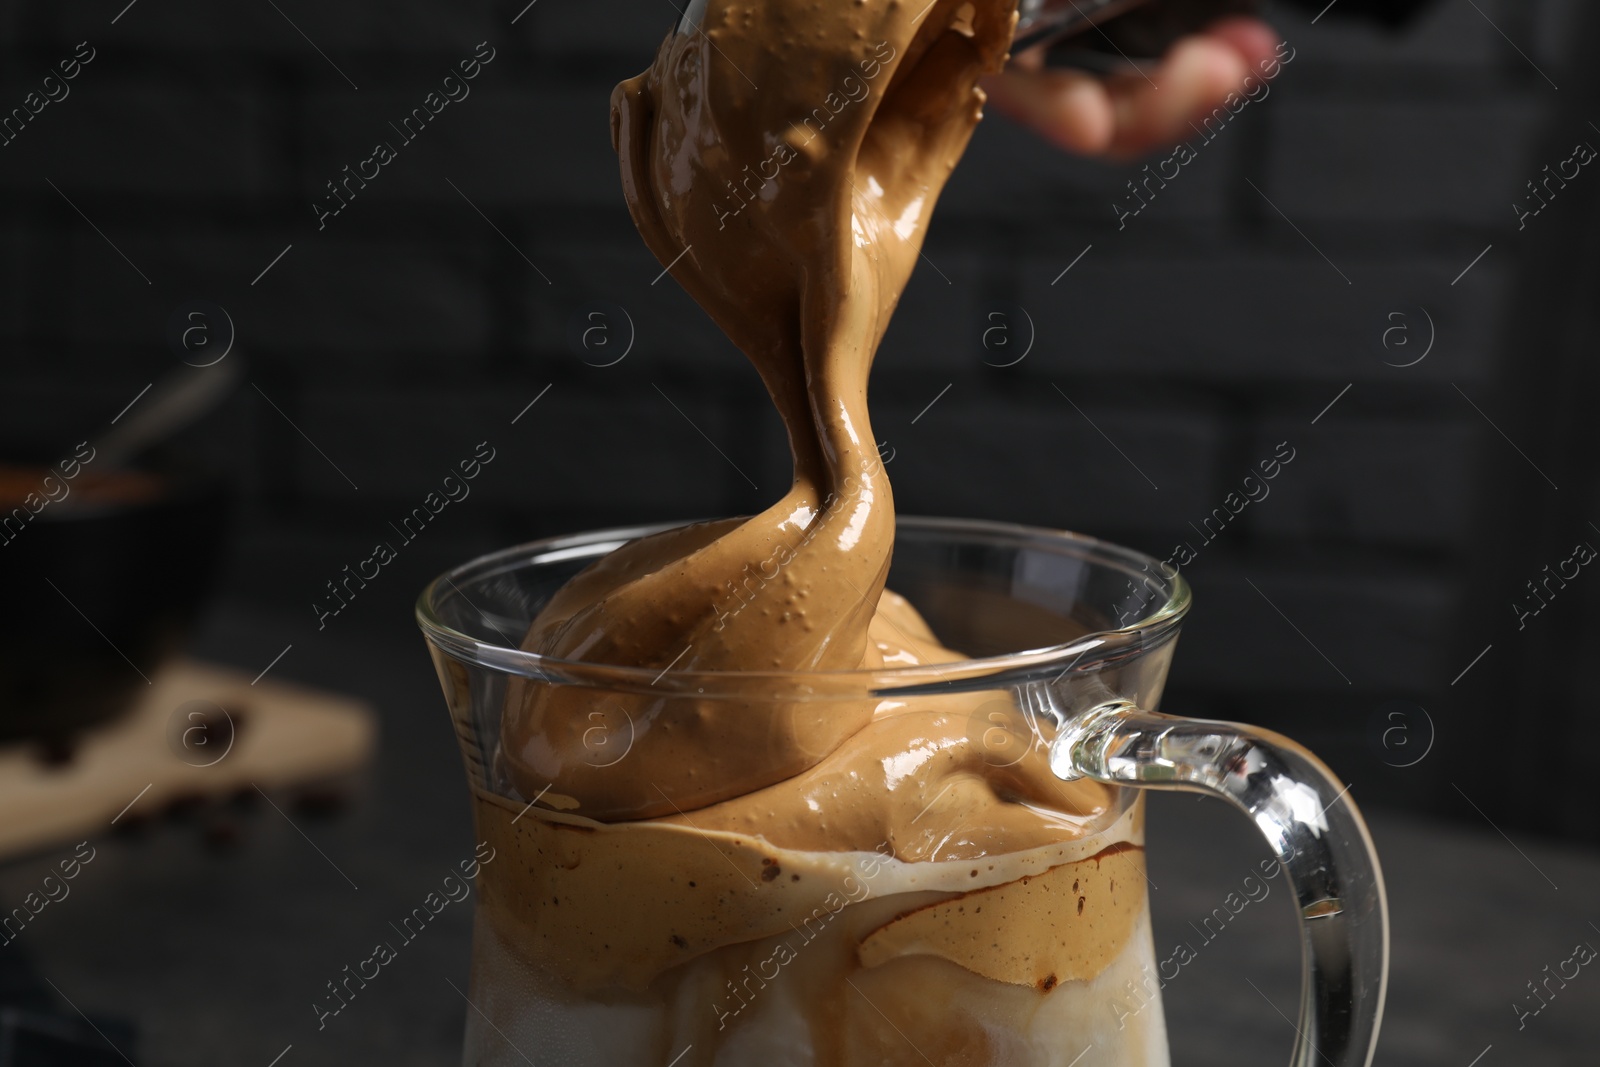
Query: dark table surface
[(217, 955)]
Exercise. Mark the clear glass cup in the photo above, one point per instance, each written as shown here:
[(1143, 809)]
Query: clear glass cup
[(592, 945)]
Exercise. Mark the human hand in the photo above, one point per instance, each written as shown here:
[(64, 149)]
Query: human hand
[(1126, 115)]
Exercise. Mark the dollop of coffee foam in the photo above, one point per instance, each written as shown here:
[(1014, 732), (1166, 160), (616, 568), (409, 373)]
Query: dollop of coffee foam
[(784, 156)]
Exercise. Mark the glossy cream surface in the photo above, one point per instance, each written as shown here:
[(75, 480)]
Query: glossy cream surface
[(766, 881)]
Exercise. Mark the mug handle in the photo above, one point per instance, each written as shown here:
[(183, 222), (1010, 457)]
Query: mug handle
[(1312, 825)]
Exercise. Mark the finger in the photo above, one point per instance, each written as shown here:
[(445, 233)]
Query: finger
[(1196, 75), (1069, 108), (1255, 40), (1126, 116)]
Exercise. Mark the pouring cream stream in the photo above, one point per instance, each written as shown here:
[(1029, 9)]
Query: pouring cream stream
[(784, 157)]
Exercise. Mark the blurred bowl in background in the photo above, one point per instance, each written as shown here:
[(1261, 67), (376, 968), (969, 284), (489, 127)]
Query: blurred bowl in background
[(103, 582)]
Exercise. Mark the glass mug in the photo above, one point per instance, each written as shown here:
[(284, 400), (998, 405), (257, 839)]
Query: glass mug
[(593, 946)]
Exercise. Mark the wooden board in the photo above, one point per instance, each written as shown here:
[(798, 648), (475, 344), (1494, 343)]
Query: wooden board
[(174, 745)]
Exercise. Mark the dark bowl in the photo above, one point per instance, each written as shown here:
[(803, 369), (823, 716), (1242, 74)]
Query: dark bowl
[(104, 583)]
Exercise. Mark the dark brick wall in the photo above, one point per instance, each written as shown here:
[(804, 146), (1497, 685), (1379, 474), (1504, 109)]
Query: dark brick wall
[(441, 301)]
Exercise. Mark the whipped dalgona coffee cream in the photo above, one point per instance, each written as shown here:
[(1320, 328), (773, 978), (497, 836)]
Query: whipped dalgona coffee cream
[(769, 884)]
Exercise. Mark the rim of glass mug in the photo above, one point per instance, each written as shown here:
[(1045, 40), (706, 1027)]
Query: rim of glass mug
[(1080, 655)]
